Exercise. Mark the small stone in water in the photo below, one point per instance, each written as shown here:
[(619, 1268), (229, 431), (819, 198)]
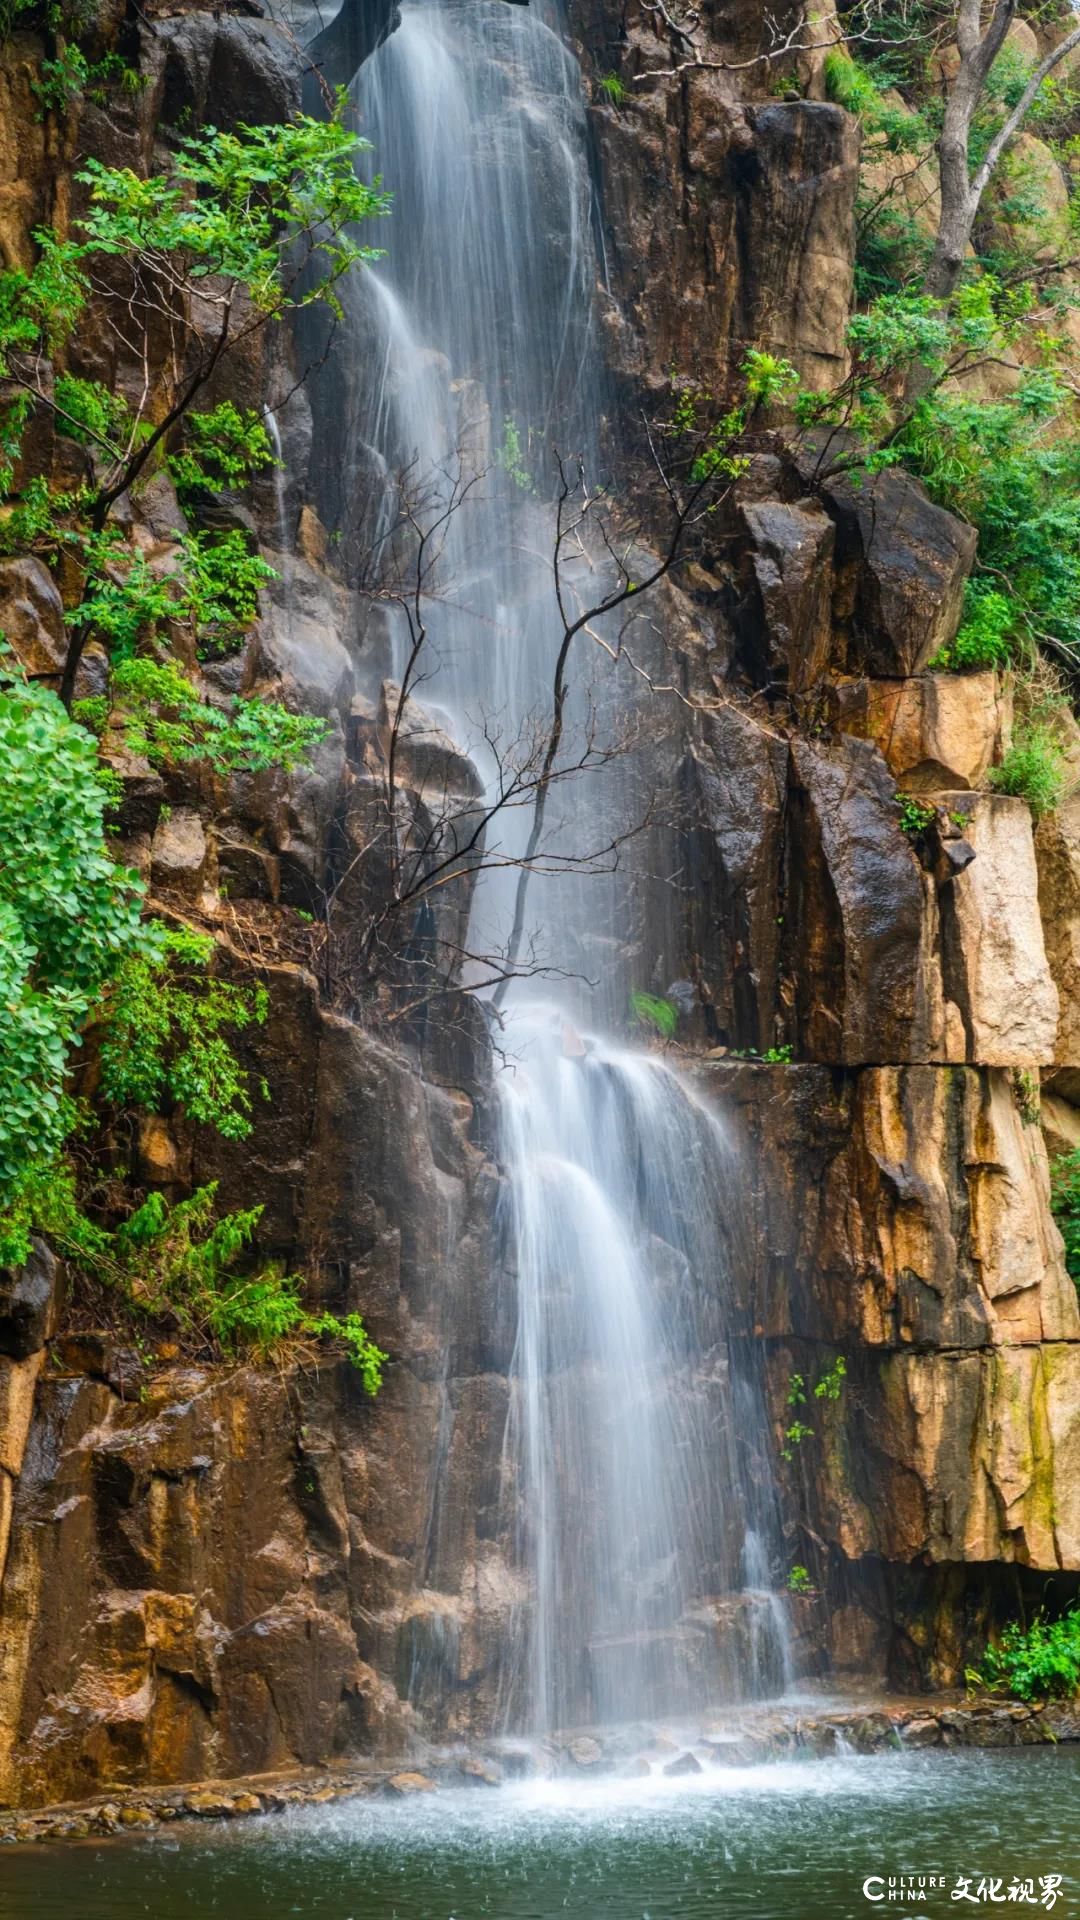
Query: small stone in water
[(585, 1752), (405, 1783), (686, 1763)]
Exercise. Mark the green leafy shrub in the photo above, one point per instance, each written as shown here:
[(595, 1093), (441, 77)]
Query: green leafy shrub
[(69, 917), (222, 581), (164, 718), (62, 80), (652, 1010), (984, 638), (223, 448), (799, 1580), (613, 89), (1034, 767), (915, 815), (164, 1034), (1039, 1662), (831, 1384), (178, 1266)]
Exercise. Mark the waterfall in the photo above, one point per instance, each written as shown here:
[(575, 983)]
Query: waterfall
[(634, 1466)]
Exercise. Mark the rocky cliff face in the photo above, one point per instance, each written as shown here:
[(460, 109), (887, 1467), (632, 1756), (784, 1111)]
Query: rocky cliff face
[(209, 1572)]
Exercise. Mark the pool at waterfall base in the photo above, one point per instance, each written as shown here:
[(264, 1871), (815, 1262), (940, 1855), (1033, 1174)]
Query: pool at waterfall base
[(815, 1839)]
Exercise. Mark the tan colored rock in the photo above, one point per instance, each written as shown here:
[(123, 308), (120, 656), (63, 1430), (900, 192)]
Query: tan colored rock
[(159, 1154), (406, 1784), (986, 1453), (32, 615), (1060, 1124), (1024, 40), (312, 539), (179, 854), (24, 174), (18, 1379), (937, 732), (996, 966), (905, 183), (1031, 172), (1057, 851), (903, 1207)]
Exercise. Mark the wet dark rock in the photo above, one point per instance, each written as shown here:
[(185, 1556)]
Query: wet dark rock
[(685, 1763), (29, 1301), (910, 560), (856, 917), (789, 619)]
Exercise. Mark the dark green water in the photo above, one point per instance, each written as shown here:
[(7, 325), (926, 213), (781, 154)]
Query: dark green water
[(792, 1841)]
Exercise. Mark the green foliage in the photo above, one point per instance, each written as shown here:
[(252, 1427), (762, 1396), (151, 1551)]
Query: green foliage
[(1039, 1662), (164, 718), (984, 638), (349, 1328), (1012, 468), (915, 816), (236, 204), (12, 12), (831, 1384), (123, 597), (799, 1581), (1034, 767), (510, 456), (778, 1056), (613, 89), (1065, 1204), (163, 1034), (223, 448), (713, 445), (652, 1010), (69, 917), (261, 221), (61, 81), (178, 1265), (1027, 1093), (222, 579), (794, 1435), (87, 412)]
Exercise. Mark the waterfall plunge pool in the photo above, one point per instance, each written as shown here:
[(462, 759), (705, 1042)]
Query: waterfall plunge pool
[(791, 1840)]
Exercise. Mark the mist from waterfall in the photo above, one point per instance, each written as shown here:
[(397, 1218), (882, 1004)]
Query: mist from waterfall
[(634, 1469)]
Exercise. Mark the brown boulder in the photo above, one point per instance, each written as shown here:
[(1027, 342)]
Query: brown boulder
[(910, 560), (936, 731), (32, 615), (791, 558), (996, 968)]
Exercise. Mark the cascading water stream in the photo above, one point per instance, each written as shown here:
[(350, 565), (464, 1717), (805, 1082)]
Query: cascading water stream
[(634, 1456)]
